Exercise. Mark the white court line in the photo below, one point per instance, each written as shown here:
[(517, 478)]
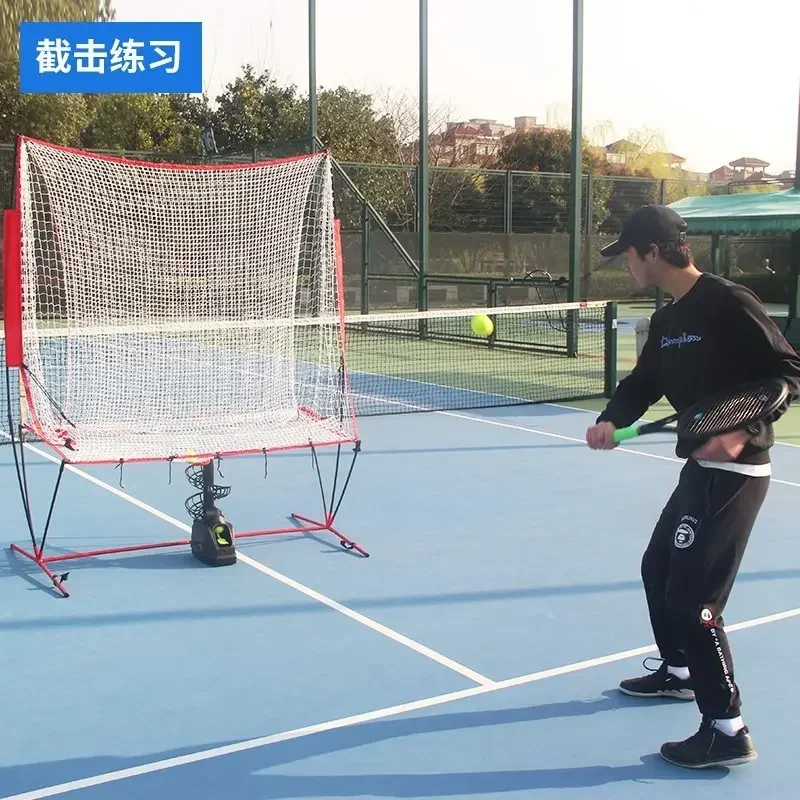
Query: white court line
[(417, 647), (563, 437), (370, 623), (357, 719)]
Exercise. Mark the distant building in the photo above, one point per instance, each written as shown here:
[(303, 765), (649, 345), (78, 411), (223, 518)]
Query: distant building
[(624, 151), (473, 142), (752, 171)]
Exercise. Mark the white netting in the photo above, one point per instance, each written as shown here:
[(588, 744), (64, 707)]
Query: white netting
[(178, 292)]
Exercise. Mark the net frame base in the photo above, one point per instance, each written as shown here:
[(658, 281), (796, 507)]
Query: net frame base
[(303, 525)]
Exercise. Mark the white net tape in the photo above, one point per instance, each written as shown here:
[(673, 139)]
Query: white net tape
[(160, 279)]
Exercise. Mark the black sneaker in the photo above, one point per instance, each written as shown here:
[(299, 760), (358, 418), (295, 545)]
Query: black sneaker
[(710, 747), (659, 683)]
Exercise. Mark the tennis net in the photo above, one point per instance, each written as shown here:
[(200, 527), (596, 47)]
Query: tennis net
[(432, 361), (395, 362)]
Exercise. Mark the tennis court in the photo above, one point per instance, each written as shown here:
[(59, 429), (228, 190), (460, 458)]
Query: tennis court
[(474, 654)]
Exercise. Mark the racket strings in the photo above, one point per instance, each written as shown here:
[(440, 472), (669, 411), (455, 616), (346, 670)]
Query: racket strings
[(734, 411)]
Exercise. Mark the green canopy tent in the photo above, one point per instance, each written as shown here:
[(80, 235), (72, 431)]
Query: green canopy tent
[(751, 214)]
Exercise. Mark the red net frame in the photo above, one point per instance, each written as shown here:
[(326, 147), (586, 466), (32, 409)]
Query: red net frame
[(29, 423)]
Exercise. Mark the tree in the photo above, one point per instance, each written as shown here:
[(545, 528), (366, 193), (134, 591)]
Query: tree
[(106, 12), (140, 122), (645, 156), (12, 13), (541, 201), (355, 132), (625, 190), (57, 118), (545, 150), (645, 152), (460, 199), (350, 127), (191, 109), (255, 111), (256, 114)]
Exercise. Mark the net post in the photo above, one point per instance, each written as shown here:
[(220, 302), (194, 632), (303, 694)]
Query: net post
[(12, 286), (12, 268), (610, 328), (572, 332), (12, 194)]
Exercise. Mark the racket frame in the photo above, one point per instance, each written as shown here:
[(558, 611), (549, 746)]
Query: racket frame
[(665, 423)]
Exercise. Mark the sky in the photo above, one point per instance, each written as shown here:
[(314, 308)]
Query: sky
[(718, 78)]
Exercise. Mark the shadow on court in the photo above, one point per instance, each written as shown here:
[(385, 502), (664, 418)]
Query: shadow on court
[(19, 568), (247, 775)]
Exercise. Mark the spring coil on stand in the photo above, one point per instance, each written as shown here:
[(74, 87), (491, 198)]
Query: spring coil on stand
[(201, 476)]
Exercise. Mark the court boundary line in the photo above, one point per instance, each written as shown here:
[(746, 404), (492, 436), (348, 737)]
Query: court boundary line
[(313, 594), (357, 719)]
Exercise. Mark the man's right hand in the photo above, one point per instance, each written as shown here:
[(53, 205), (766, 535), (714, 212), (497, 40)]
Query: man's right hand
[(600, 436)]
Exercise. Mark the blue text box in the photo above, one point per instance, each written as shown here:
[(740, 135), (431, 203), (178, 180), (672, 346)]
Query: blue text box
[(110, 57)]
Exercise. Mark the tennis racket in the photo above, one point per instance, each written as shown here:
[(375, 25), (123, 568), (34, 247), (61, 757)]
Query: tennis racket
[(723, 412)]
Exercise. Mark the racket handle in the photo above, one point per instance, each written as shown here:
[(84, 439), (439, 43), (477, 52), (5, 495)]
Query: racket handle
[(621, 434)]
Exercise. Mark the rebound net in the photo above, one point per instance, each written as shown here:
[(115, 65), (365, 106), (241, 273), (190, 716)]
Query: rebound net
[(177, 294)]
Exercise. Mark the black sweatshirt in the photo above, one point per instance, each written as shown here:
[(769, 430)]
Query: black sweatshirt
[(716, 336)]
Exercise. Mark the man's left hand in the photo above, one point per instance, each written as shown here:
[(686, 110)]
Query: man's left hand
[(725, 447)]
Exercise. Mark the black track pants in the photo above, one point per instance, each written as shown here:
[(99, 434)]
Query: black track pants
[(688, 571)]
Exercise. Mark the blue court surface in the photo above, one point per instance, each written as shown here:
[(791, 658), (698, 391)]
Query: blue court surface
[(474, 654)]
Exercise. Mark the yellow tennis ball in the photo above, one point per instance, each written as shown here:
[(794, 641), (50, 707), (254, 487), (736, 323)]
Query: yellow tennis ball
[(481, 325), (191, 457)]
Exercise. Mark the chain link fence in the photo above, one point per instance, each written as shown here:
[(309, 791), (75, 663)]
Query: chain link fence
[(496, 238)]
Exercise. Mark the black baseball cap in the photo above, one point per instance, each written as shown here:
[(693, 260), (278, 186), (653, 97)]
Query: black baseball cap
[(647, 225)]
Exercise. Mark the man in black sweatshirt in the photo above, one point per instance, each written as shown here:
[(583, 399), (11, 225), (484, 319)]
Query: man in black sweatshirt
[(714, 335)]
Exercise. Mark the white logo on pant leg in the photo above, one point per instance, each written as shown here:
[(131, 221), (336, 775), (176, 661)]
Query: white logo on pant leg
[(726, 672), (684, 533)]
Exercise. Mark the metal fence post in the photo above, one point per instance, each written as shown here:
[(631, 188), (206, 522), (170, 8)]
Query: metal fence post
[(423, 198), (365, 231), (662, 199), (610, 328)]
